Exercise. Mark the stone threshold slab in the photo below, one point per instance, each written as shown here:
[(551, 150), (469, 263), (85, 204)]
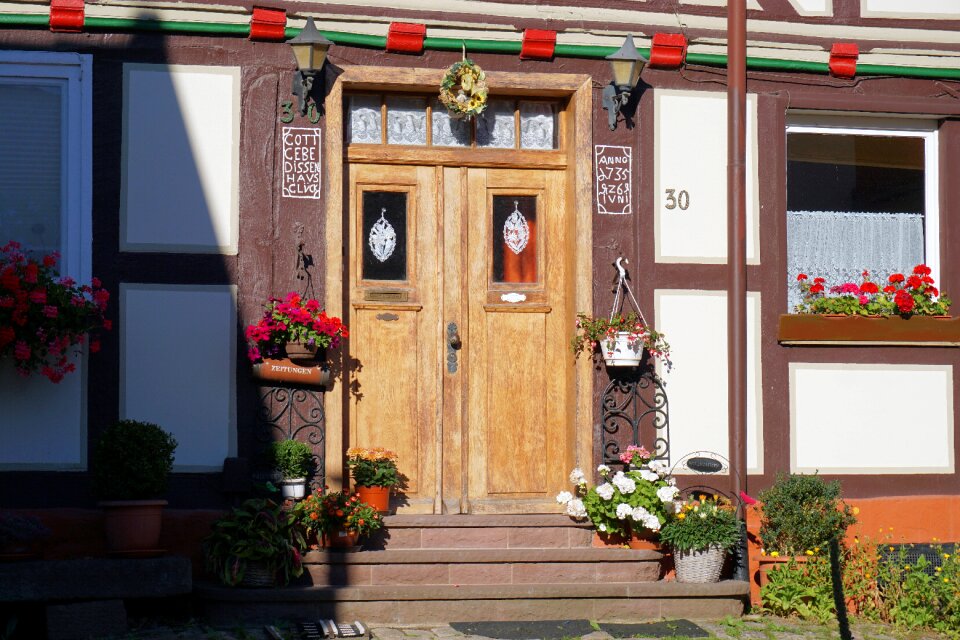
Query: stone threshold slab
[(482, 556), (482, 521)]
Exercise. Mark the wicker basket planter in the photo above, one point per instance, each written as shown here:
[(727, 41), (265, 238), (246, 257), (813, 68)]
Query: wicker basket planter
[(259, 575), (699, 566)]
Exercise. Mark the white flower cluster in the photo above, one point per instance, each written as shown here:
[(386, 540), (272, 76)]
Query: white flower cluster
[(624, 483), (577, 477), (575, 508)]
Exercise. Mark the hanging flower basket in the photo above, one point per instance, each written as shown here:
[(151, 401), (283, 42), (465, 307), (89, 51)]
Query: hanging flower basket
[(463, 90), (623, 349)]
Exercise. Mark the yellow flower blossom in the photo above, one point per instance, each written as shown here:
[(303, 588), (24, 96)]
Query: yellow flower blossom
[(856, 511), (938, 569), (681, 516), (809, 552), (774, 554), (946, 579), (946, 556)]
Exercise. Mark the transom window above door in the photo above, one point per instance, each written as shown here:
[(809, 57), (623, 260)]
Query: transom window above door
[(422, 121)]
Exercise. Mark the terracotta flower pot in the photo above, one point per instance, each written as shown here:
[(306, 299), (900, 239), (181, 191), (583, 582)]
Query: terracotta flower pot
[(644, 539), (377, 497), (299, 351), (342, 539), (133, 527)]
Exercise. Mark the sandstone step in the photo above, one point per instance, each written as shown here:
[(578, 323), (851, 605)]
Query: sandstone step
[(407, 604), (481, 532), (482, 566)]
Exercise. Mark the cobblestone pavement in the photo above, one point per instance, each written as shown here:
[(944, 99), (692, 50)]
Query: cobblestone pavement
[(745, 628)]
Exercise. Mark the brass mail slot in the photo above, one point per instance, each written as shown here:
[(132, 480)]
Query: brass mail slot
[(386, 296)]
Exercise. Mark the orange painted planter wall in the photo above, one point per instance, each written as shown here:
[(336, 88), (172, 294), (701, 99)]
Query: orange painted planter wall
[(896, 519)]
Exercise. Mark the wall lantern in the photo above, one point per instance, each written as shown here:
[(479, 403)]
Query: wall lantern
[(626, 64), (310, 50)]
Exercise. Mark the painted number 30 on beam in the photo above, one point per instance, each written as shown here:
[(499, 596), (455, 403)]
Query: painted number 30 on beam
[(677, 199)]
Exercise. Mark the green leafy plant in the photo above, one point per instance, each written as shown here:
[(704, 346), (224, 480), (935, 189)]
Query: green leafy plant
[(258, 531), (635, 499), (291, 458), (132, 461), (910, 295), (325, 513), (702, 521), (924, 594), (801, 512), (375, 467), (593, 332), (801, 589)]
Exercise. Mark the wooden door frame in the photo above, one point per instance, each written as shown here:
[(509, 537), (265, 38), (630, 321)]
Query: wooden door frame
[(576, 87)]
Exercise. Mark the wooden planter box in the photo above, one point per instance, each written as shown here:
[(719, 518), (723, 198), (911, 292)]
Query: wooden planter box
[(286, 370), (918, 331)]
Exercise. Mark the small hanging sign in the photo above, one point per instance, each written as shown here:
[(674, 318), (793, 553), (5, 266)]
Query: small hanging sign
[(614, 169), (301, 162)]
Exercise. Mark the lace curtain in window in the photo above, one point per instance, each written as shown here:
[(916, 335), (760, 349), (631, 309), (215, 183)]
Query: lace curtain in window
[(839, 246)]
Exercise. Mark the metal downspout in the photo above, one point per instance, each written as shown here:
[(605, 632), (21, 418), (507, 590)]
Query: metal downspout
[(737, 249)]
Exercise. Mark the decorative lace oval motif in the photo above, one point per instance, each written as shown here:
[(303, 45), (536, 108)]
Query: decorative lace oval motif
[(383, 238), (516, 231)]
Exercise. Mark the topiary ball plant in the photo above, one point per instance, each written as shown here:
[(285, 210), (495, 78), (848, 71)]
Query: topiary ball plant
[(291, 458), (132, 461), (802, 512)]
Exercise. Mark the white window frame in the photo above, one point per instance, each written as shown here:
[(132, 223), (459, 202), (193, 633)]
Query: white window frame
[(74, 72), (865, 125)]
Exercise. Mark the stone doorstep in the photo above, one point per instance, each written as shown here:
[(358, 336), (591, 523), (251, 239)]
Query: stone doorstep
[(460, 521), (440, 604), (481, 532), (494, 555)]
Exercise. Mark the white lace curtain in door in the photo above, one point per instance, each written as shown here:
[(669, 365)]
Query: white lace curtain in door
[(840, 245)]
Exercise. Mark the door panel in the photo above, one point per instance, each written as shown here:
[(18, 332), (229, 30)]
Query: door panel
[(486, 426)]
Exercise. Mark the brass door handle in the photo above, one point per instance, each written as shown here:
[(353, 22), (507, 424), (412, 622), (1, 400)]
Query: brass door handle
[(454, 340)]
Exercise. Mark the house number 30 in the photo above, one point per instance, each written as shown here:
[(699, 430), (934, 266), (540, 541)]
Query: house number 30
[(287, 113), (677, 199)]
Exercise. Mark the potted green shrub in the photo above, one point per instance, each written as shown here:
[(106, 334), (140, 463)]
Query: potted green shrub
[(256, 545), (293, 460), (375, 475), (800, 514), (131, 468), (700, 534)]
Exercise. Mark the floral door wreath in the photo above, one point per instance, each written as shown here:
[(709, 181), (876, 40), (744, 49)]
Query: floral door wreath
[(463, 90)]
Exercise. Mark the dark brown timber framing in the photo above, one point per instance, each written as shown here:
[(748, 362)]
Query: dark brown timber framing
[(737, 241)]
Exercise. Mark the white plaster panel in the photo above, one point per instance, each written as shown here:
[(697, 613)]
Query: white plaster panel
[(752, 5), (180, 158), (43, 425), (695, 324), (871, 418), (178, 366), (812, 7), (910, 8), (690, 142)]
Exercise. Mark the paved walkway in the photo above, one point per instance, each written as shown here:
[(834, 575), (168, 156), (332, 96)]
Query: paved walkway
[(746, 628)]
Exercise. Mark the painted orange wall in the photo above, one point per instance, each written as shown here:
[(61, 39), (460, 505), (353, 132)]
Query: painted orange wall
[(900, 519)]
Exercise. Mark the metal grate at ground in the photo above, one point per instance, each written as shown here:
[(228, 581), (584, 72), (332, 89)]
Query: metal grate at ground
[(909, 553), (330, 629)]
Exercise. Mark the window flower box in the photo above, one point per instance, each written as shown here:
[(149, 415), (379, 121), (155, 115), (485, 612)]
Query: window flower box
[(916, 331)]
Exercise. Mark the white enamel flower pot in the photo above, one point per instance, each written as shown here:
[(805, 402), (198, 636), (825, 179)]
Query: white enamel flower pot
[(295, 488), (619, 351)]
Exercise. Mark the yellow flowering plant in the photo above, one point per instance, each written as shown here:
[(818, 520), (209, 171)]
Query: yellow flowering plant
[(702, 521), (376, 467)]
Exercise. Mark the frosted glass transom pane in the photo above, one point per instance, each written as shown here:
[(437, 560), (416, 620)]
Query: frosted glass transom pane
[(447, 131), (365, 123), (30, 164), (495, 126), (407, 121), (538, 128)]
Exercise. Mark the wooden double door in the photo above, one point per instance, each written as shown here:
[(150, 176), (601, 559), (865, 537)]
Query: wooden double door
[(460, 310)]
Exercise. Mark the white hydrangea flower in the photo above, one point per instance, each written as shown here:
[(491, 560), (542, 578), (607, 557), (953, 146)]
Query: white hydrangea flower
[(577, 477), (602, 528), (564, 497), (575, 509), (605, 490), (648, 475), (624, 483), (652, 523), (624, 511), (659, 467), (603, 470), (667, 494), (640, 514)]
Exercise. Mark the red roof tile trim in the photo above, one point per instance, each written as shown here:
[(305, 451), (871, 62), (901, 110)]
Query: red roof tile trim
[(268, 24), (668, 50), (66, 16), (406, 37), (538, 44), (843, 59)]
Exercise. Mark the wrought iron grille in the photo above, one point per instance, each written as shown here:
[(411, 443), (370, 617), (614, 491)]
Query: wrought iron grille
[(634, 410), (296, 414)]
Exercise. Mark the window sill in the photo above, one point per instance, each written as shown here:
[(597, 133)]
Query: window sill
[(918, 331)]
